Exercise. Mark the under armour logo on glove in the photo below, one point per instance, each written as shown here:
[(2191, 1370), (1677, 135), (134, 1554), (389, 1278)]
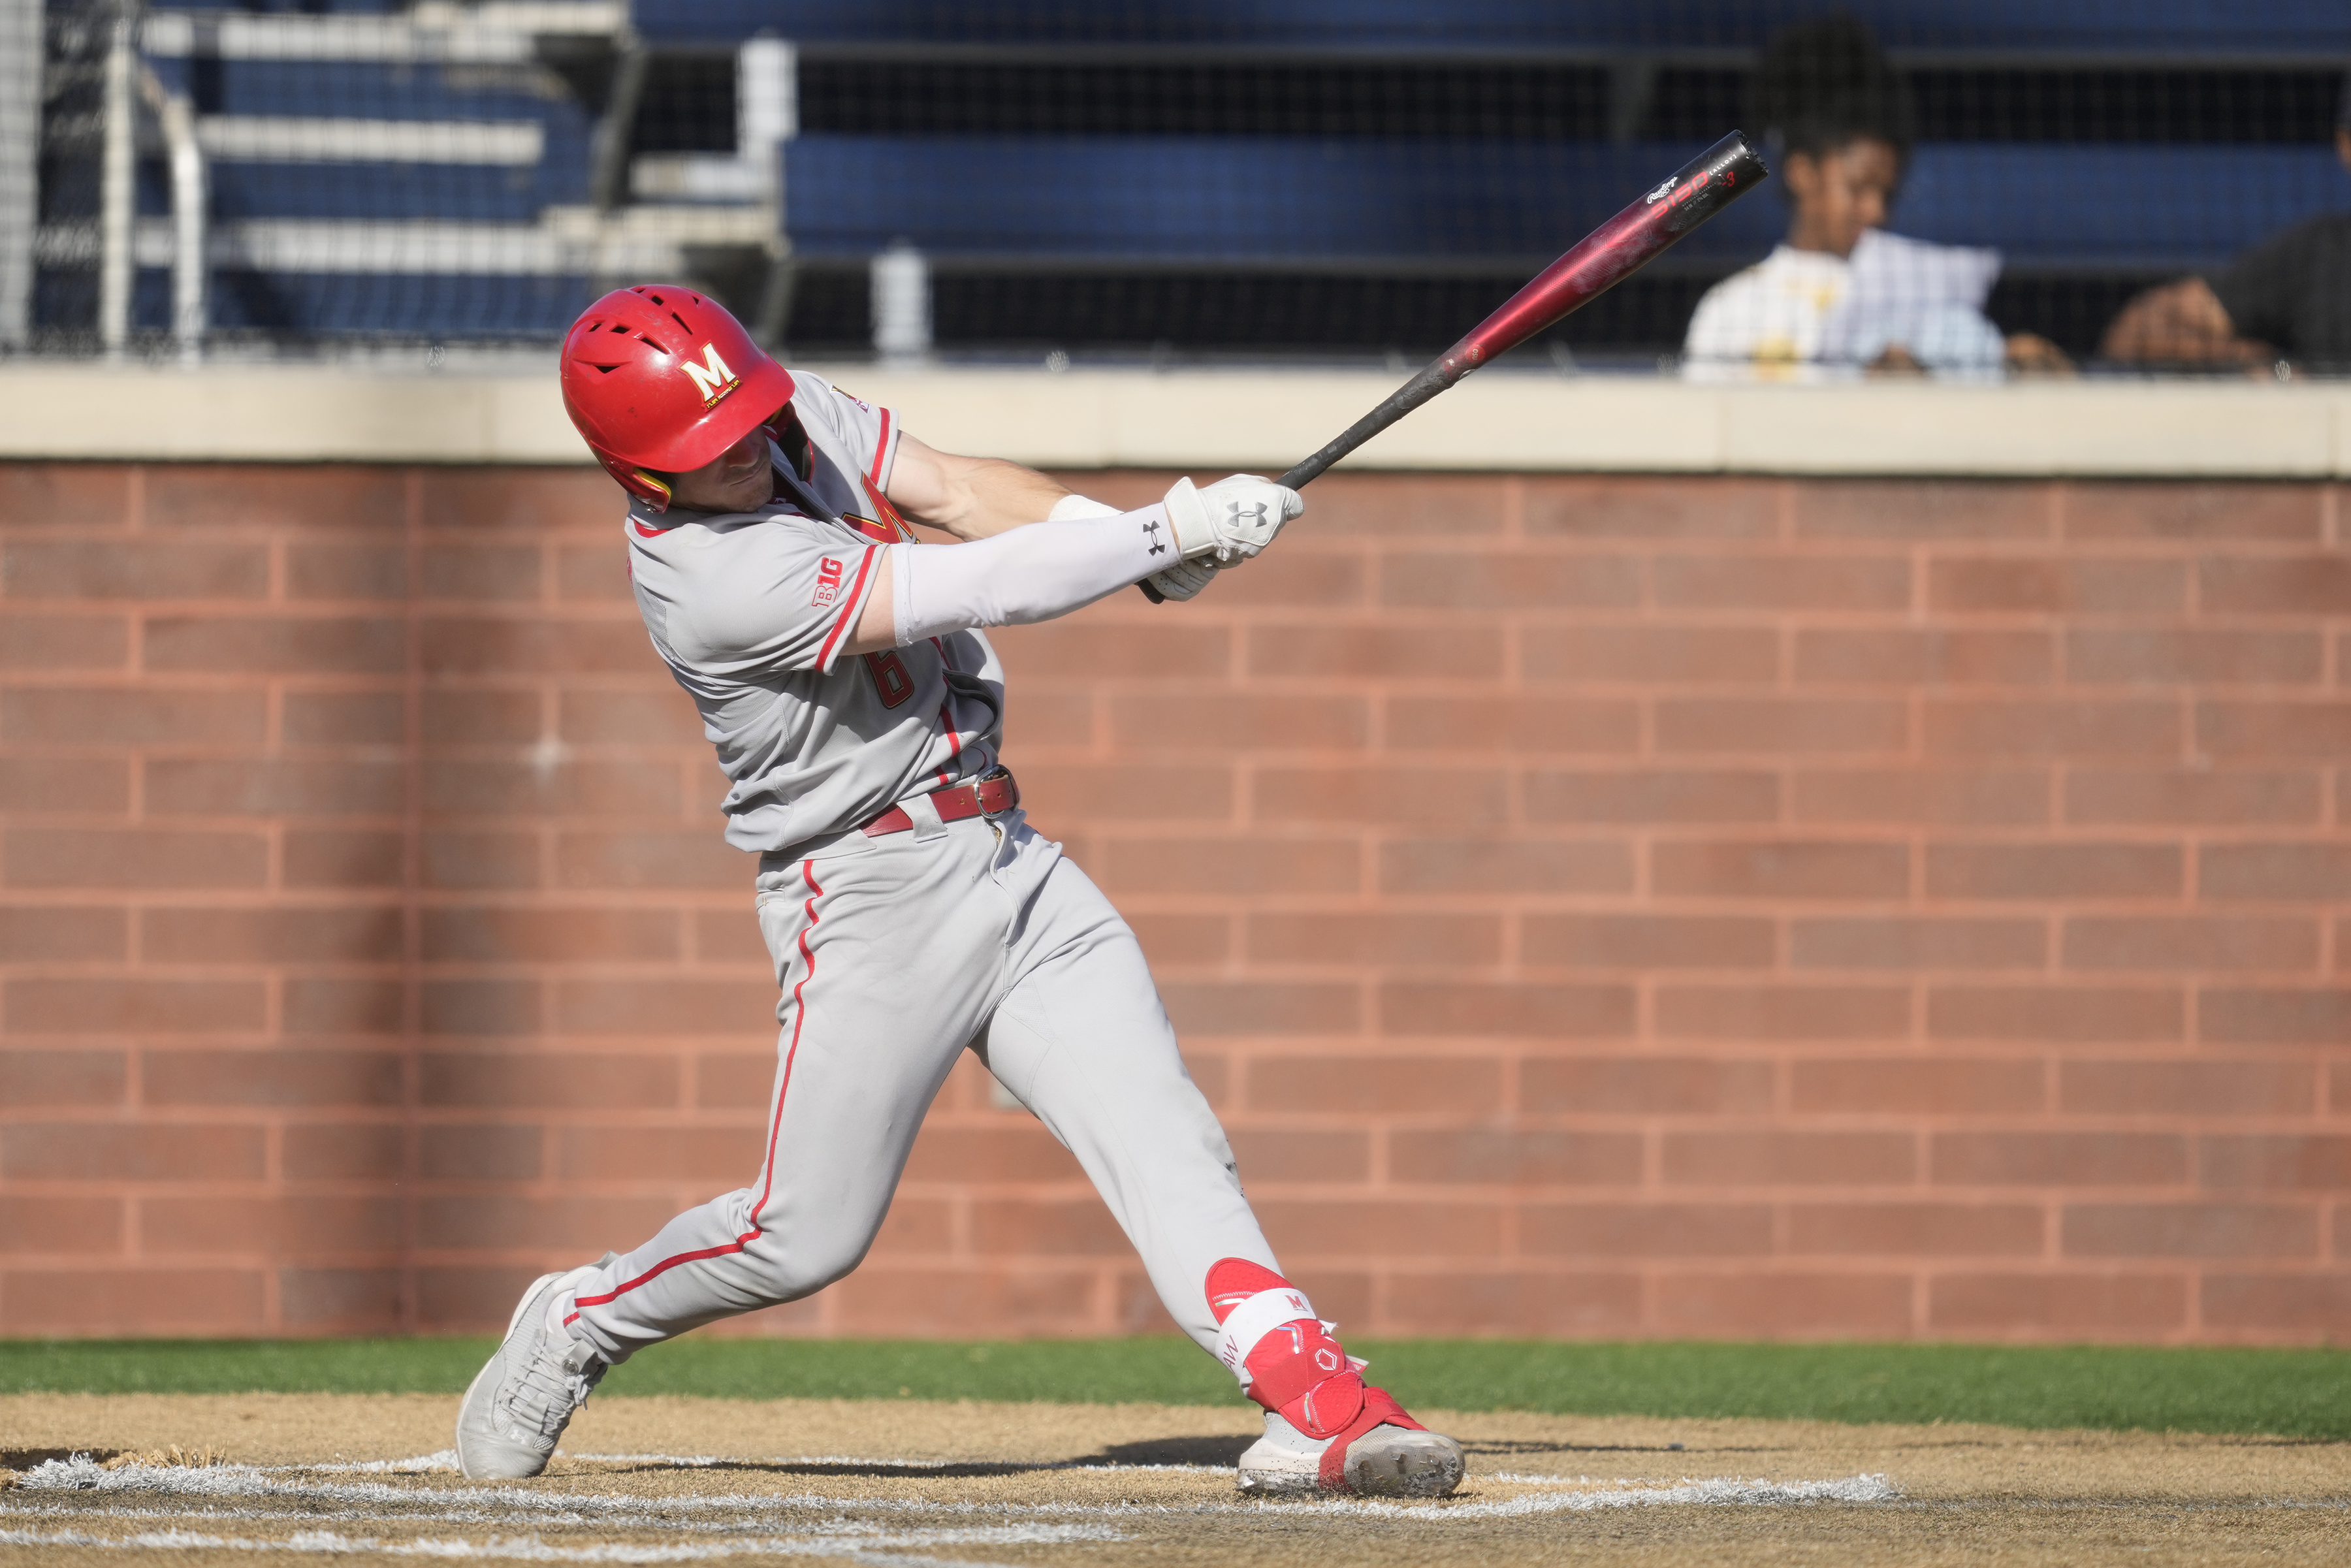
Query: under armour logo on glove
[(1253, 514)]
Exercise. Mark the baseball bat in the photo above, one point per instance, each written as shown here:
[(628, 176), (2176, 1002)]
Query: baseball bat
[(1598, 261)]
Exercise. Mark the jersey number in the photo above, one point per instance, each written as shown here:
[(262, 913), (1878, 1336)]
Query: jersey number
[(892, 684)]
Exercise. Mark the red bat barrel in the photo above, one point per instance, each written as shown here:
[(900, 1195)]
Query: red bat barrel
[(1603, 259)]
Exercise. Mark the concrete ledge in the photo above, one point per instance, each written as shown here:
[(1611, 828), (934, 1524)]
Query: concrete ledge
[(1262, 420)]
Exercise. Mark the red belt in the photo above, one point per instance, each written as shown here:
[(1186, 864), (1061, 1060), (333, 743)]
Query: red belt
[(990, 796)]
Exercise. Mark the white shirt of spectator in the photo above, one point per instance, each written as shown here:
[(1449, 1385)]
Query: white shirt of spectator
[(1806, 315)]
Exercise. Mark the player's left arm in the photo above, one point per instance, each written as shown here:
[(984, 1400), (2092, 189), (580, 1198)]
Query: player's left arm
[(970, 497)]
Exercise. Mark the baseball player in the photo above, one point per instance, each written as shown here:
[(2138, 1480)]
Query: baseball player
[(911, 913)]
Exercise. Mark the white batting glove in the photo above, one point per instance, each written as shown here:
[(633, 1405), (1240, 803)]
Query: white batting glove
[(1185, 579), (1231, 520)]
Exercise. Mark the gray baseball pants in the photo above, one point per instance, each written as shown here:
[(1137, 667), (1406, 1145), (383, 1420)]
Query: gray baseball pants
[(895, 954)]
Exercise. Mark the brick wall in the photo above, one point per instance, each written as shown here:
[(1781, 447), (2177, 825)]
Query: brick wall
[(1607, 907)]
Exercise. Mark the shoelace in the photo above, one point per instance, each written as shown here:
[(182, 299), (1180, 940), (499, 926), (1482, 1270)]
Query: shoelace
[(551, 1387)]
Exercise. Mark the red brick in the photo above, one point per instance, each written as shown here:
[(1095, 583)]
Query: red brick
[(1232, 867), (1495, 1156), (1296, 1154), (145, 859), (269, 496), (536, 647), (78, 1302), (509, 1221), (549, 1080), (1674, 655), (1923, 797), (344, 718), (47, 494), (76, 716), (2186, 944), (118, 1150), (1528, 1011), (1646, 942), (456, 1299), (336, 1004), (1487, 580), (1781, 725), (2062, 585), (354, 1300), (2285, 871), (1125, 792), (2317, 731), (490, 934), (693, 858), (1789, 1158), (492, 570), (1644, 1085), (1441, 941), (1064, 1227), (279, 1226), (522, 500), (344, 1151), (470, 717), (2089, 1306), (85, 786), (1468, 797), (1089, 648), (1930, 1087), (1024, 1152), (1915, 942), (1781, 1010), (1915, 1230), (341, 859), (149, 570), (2312, 1162), (344, 569), (2191, 797), (646, 789), (1908, 509), (267, 787), (2188, 1230), (1193, 724), (1304, 1228), (30, 934), (1724, 581), (1261, 1008), (1183, 938), (1971, 730), (127, 1005), (1523, 725), (49, 1225), (1586, 507), (299, 934), (2301, 1017), (2275, 585), (2198, 1091), (1405, 1085), (2042, 870), (2057, 1159), (476, 1151), (1505, 865), (64, 641), (653, 717), (1652, 795), (1297, 574), (2180, 508), (1358, 652), (2146, 656), (915, 1227), (1352, 504), (455, 858), (339, 644), (1750, 1306), (1459, 1300), (2316, 1307), (81, 1077), (968, 1298), (1787, 868), (481, 1007), (2048, 1014), (1646, 1229), (1932, 657)]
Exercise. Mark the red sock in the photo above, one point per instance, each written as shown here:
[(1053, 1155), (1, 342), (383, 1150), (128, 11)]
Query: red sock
[(1294, 1364)]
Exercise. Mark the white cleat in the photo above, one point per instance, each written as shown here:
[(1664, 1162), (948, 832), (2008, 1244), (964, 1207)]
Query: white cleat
[(517, 1408), (1383, 1460)]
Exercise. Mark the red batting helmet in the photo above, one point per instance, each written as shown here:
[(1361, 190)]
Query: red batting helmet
[(658, 379)]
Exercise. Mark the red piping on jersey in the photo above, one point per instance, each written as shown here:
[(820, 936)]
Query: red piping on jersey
[(775, 1130), (849, 605), (881, 450)]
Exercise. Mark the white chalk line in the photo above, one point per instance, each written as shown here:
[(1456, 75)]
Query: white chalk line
[(80, 1475), (875, 1548)]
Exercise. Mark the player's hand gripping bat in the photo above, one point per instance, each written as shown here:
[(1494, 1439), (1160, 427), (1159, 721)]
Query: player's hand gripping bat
[(1599, 260)]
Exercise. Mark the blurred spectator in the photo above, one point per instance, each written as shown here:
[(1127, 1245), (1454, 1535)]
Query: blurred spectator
[(1838, 122), (2289, 298)]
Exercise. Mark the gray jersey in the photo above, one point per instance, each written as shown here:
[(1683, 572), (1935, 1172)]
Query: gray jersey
[(750, 611)]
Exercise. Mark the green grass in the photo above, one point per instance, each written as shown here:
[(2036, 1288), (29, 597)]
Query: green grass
[(2290, 1393)]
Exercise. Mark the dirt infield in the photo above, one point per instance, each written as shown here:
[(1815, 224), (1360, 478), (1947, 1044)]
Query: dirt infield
[(358, 1477)]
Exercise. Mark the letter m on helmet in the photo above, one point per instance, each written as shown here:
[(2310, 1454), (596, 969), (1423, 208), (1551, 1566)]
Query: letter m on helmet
[(711, 378)]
